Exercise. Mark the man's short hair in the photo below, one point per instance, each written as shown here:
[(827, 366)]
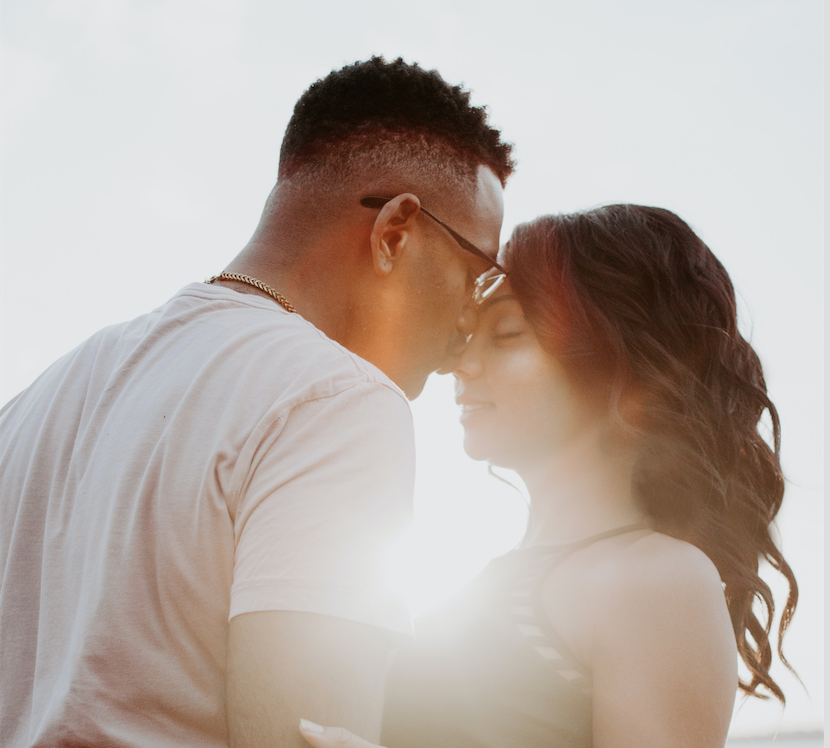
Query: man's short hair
[(390, 116)]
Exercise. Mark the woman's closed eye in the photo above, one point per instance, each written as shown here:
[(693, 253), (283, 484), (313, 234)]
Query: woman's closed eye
[(507, 334), (508, 327), (502, 321)]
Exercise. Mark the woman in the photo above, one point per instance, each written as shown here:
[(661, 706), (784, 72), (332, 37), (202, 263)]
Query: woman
[(609, 373)]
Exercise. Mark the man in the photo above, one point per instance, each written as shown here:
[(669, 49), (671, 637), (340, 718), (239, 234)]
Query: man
[(195, 503)]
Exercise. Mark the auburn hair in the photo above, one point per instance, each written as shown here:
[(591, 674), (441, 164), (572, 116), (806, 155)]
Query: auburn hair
[(628, 297)]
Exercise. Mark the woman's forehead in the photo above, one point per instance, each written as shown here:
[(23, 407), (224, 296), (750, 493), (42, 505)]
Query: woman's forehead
[(504, 293)]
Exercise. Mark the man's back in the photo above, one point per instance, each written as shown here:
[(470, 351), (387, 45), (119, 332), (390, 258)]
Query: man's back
[(196, 463)]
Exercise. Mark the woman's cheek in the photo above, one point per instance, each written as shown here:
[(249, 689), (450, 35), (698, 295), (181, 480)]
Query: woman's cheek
[(516, 380), (518, 368)]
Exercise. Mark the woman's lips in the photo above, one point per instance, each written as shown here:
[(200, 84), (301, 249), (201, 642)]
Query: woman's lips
[(472, 410)]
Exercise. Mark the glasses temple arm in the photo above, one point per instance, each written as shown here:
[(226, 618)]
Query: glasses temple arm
[(466, 244)]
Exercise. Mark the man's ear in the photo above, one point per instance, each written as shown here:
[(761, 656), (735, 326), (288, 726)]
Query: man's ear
[(393, 231)]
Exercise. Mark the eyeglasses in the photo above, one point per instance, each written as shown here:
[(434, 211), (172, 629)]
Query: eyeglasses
[(486, 285), (372, 201)]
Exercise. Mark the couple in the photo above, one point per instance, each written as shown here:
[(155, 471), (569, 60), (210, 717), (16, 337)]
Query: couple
[(195, 502)]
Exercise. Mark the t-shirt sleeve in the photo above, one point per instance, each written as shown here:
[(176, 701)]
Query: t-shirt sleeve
[(329, 491)]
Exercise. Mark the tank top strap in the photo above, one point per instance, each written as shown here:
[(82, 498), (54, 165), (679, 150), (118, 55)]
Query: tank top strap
[(591, 539), (550, 556), (559, 551)]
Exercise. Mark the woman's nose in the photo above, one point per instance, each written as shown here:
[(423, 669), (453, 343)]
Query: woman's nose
[(469, 361)]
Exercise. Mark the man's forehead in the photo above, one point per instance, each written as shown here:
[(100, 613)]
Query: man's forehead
[(487, 212), (489, 186)]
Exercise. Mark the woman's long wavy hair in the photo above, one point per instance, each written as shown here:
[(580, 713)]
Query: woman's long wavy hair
[(629, 299)]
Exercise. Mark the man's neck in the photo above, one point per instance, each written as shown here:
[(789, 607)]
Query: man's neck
[(318, 284)]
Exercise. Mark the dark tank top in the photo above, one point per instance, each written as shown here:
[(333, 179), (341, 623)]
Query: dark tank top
[(487, 670)]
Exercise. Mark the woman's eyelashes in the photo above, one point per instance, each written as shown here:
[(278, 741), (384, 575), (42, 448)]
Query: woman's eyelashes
[(507, 328)]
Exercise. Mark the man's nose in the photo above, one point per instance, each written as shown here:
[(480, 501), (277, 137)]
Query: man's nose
[(467, 319), (455, 349), (464, 328)]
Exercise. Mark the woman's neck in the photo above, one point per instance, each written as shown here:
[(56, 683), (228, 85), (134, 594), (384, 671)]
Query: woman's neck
[(583, 490)]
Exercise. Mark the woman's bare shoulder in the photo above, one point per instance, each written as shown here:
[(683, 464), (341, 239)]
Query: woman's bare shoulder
[(643, 564), (656, 572), (628, 589), (658, 585), (653, 561)]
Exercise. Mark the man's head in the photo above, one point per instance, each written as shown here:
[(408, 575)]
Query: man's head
[(386, 114), (396, 131)]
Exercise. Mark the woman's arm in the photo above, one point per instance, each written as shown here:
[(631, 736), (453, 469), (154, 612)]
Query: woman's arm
[(664, 658)]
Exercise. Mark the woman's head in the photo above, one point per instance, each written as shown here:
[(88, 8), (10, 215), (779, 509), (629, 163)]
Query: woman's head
[(623, 294), (634, 308)]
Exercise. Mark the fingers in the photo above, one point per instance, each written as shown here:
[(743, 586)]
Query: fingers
[(332, 737)]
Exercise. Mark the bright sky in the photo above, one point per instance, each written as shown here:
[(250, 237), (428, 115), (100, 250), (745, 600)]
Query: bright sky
[(141, 137)]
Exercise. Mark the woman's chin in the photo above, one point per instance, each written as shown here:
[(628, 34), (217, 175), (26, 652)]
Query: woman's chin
[(485, 451), (482, 449), (476, 447)]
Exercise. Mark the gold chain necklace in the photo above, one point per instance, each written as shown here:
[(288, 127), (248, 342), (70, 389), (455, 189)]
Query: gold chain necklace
[(273, 293)]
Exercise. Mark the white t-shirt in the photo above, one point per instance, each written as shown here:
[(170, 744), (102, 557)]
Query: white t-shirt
[(214, 457)]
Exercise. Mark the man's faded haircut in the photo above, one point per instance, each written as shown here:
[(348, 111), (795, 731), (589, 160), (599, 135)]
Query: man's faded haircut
[(378, 116)]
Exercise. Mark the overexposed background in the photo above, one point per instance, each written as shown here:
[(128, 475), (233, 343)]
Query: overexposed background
[(141, 137)]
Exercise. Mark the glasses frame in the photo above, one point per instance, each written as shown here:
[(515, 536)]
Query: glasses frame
[(486, 286), (374, 201)]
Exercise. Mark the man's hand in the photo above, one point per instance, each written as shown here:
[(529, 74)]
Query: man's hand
[(284, 665)]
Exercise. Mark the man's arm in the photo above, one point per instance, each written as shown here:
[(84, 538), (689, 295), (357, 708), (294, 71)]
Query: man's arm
[(312, 616), (284, 666)]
